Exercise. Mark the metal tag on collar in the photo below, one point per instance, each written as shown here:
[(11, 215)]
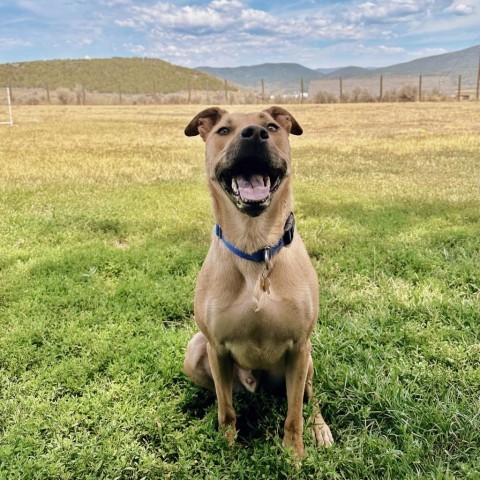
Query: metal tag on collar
[(267, 255)]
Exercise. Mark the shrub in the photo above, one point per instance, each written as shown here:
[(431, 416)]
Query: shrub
[(408, 93), (64, 95), (360, 95), (325, 97)]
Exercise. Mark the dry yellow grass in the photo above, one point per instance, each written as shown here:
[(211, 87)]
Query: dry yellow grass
[(121, 145)]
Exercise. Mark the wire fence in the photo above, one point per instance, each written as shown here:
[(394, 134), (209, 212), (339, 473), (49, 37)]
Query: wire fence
[(391, 88), (383, 88)]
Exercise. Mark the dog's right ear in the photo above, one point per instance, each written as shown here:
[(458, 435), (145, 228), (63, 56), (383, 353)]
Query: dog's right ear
[(204, 121)]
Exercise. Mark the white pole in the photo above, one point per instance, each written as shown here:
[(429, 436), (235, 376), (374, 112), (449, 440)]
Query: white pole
[(10, 116), (9, 106)]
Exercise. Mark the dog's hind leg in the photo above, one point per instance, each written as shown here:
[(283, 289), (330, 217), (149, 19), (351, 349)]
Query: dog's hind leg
[(197, 367), (196, 364)]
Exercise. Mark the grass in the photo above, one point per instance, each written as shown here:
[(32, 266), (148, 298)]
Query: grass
[(105, 223)]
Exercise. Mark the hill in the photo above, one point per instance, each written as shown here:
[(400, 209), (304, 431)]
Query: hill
[(277, 76), (128, 75), (462, 62), (286, 76), (348, 72)]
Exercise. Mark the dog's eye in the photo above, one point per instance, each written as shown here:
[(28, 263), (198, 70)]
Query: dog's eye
[(223, 131), (271, 127)]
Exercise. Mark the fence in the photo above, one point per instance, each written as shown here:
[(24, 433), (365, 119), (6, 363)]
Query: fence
[(82, 96), (392, 88), (383, 88)]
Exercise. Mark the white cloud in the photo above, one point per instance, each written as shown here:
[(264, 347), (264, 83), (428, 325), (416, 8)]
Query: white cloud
[(13, 43), (382, 11), (115, 3), (226, 4), (233, 32), (171, 17), (427, 52), (461, 8), (234, 17), (383, 50)]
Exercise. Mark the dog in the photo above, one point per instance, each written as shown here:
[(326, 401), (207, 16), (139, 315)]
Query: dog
[(256, 297)]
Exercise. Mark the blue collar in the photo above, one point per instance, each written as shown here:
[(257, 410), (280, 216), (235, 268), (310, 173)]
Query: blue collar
[(266, 253)]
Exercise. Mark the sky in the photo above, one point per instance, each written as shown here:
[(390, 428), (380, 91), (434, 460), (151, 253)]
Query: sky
[(230, 33)]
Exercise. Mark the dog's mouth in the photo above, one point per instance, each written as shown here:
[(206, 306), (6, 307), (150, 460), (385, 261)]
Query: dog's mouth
[(251, 193)]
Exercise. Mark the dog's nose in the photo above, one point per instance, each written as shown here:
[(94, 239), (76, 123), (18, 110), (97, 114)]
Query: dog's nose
[(254, 133)]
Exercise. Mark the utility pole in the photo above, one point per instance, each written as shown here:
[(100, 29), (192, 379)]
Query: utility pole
[(263, 91), (459, 87), (301, 90), (341, 89), (381, 88), (420, 88)]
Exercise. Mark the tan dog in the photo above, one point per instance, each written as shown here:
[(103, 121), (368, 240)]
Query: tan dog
[(256, 299)]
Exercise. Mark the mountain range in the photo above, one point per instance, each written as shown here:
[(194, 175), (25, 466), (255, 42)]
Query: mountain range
[(143, 75), (286, 76)]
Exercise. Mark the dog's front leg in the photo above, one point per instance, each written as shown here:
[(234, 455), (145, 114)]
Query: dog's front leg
[(221, 364), (295, 377)]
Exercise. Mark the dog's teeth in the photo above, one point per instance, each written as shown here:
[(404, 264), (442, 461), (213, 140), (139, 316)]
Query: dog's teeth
[(266, 181), (234, 186)]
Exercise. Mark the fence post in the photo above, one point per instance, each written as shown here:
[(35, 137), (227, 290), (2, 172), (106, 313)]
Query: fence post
[(478, 79), (154, 84), (263, 91), (420, 88), (459, 87), (341, 90), (301, 89), (9, 101), (381, 88)]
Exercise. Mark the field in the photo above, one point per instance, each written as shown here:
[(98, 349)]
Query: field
[(105, 220)]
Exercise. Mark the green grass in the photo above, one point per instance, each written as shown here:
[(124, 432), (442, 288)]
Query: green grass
[(105, 221)]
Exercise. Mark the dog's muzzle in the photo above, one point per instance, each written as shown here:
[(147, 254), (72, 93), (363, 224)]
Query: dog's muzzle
[(253, 171)]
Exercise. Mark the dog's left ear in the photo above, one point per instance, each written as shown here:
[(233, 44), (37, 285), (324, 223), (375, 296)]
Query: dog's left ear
[(204, 121), (285, 119)]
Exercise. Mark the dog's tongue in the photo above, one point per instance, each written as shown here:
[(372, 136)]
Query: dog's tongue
[(252, 188)]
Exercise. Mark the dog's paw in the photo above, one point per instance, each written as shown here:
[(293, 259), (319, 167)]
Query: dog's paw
[(294, 442), (321, 434), (230, 434)]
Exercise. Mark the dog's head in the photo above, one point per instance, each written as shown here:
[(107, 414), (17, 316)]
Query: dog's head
[(247, 155)]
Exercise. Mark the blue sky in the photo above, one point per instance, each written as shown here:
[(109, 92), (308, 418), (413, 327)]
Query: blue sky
[(368, 33)]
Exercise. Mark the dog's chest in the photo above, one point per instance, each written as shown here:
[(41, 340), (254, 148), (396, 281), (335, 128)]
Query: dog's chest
[(257, 334), (255, 327)]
